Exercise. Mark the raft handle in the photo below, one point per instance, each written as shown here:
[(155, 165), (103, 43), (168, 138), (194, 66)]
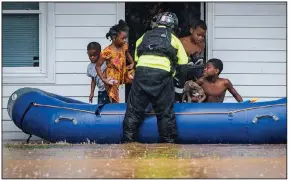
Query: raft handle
[(231, 114), (73, 119), (274, 117)]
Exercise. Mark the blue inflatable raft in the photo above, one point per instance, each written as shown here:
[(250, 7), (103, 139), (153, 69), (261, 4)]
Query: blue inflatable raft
[(56, 118)]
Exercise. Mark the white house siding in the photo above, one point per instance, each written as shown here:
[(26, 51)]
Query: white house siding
[(76, 24), (250, 38)]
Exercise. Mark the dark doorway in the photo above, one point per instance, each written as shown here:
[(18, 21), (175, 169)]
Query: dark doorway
[(139, 16)]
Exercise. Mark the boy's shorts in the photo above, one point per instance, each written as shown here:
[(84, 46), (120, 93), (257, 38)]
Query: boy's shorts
[(103, 97)]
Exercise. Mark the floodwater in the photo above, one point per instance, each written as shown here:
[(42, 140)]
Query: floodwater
[(143, 161)]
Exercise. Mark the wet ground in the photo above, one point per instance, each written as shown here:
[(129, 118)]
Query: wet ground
[(143, 161)]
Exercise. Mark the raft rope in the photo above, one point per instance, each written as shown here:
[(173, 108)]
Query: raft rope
[(28, 139), (22, 118), (230, 113)]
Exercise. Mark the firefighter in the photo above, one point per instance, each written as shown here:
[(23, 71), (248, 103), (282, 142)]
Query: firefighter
[(157, 54)]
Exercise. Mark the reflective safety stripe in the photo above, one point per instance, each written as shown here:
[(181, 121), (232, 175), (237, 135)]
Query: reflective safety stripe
[(178, 90)]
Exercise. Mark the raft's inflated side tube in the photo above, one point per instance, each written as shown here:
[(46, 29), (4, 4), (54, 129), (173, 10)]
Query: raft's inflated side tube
[(57, 118), (64, 119)]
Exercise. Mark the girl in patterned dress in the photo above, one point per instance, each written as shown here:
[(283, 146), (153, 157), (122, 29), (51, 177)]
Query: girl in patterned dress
[(115, 55)]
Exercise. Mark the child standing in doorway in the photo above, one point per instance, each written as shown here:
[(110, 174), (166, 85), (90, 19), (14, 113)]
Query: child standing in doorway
[(115, 55), (194, 43), (93, 51)]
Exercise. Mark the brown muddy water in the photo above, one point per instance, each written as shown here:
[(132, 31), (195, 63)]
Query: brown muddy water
[(143, 161)]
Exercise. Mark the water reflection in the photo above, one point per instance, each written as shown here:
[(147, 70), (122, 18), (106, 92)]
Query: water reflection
[(145, 161)]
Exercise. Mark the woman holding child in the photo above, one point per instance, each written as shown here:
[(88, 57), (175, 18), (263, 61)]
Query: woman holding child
[(115, 55)]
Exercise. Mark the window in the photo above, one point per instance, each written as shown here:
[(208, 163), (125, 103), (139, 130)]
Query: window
[(27, 42)]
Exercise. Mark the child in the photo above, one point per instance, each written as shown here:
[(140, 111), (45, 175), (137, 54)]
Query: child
[(215, 87), (194, 43), (93, 50), (115, 56)]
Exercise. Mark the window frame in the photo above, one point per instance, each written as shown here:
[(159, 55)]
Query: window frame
[(45, 72)]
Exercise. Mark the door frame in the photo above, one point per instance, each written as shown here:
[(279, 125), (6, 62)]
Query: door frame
[(209, 19), (202, 10), (120, 14)]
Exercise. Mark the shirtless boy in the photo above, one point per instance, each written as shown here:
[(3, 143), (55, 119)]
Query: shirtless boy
[(215, 87), (194, 43)]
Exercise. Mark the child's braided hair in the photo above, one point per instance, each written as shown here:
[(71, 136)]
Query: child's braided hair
[(116, 29)]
